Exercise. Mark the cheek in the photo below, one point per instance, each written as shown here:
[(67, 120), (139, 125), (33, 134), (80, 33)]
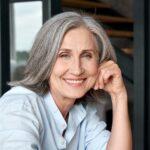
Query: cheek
[(93, 69), (92, 75), (58, 70), (56, 74)]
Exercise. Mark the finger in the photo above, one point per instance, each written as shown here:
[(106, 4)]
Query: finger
[(107, 64), (102, 72), (112, 67), (95, 87), (108, 76), (108, 70), (101, 81)]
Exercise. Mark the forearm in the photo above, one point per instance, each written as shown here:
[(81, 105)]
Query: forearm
[(121, 137), (110, 80)]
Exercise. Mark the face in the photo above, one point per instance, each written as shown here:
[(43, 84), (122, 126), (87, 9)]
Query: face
[(76, 67)]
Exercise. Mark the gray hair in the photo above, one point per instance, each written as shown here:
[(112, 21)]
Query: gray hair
[(45, 48)]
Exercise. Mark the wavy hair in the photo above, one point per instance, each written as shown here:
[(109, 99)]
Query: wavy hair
[(45, 48)]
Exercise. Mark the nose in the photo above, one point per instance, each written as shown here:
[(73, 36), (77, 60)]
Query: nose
[(77, 67)]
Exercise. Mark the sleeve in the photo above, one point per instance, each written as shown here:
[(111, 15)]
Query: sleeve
[(19, 126), (97, 136)]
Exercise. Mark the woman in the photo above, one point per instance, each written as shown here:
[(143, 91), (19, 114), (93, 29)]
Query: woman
[(53, 107)]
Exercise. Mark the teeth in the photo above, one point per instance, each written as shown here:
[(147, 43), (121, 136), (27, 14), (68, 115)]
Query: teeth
[(74, 81)]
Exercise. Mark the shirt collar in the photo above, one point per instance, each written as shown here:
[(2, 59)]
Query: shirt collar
[(76, 114), (54, 112)]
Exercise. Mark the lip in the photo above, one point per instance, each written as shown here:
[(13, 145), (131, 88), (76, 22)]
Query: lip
[(75, 82)]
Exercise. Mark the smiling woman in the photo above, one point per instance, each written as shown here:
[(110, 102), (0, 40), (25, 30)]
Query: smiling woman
[(71, 60), (76, 66)]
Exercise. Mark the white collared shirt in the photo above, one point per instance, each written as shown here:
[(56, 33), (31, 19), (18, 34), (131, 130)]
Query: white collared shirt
[(29, 121)]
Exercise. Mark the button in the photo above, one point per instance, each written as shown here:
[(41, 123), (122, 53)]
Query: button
[(62, 141), (62, 144)]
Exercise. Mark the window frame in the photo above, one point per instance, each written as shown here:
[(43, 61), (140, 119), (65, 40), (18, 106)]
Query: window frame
[(49, 8)]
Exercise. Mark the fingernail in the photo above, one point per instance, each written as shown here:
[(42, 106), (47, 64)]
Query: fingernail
[(95, 87), (100, 86)]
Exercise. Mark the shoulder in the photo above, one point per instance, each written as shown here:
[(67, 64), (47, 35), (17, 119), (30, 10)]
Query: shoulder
[(19, 98), (96, 126), (91, 108), (97, 108), (21, 105), (20, 116), (94, 116)]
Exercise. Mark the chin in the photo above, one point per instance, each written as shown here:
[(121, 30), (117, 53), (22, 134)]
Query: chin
[(75, 95)]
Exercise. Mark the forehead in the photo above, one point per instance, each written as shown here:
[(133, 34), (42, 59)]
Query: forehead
[(80, 37)]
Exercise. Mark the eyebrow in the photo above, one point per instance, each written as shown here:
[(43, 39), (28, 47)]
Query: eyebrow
[(83, 51)]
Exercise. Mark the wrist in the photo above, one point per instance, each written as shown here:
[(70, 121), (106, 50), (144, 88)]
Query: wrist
[(119, 101)]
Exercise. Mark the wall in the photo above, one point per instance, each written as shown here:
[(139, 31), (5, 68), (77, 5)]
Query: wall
[(124, 7)]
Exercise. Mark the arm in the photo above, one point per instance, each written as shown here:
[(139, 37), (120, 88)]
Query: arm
[(121, 137), (110, 80)]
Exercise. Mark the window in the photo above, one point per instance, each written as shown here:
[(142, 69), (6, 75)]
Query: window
[(25, 21)]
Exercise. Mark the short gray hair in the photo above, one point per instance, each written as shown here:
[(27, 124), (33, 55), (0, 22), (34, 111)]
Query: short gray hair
[(47, 43)]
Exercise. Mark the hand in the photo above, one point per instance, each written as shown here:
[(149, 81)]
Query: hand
[(110, 79)]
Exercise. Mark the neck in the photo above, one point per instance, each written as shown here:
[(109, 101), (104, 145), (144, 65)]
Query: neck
[(64, 104)]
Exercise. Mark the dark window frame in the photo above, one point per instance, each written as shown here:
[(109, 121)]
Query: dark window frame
[(5, 43), (141, 111), (49, 8)]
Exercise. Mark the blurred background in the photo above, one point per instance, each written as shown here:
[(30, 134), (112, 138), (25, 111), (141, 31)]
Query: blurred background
[(127, 24)]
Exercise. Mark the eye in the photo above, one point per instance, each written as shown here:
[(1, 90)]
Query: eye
[(87, 55), (64, 55)]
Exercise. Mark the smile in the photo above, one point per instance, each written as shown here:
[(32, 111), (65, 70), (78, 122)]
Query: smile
[(75, 82)]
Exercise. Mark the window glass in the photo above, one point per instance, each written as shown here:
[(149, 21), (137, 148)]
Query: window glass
[(26, 20)]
